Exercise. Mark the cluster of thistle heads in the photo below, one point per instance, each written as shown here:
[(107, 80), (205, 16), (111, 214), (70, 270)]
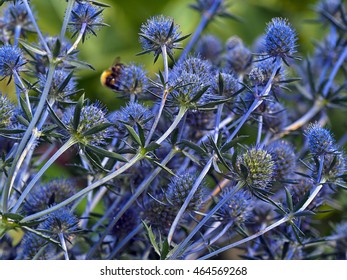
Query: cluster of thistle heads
[(222, 140)]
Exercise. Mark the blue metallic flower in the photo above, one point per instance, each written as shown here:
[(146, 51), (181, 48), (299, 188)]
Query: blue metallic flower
[(179, 188), (283, 155), (280, 39), (6, 111), (62, 86), (11, 60), (159, 31), (132, 114), (132, 79), (16, 15), (255, 168), (86, 17), (46, 195), (320, 141)]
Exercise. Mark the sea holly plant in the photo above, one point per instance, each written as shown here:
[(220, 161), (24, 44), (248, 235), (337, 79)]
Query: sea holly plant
[(224, 142)]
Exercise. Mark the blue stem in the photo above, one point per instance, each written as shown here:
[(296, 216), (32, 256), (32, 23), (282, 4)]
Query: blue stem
[(185, 242), (206, 18), (258, 100)]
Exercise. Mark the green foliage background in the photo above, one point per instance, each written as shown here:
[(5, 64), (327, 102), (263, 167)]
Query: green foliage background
[(126, 16)]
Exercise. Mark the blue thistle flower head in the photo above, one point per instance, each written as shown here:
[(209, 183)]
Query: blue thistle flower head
[(328, 9), (304, 186), (224, 84), (209, 47), (189, 77), (211, 7), (91, 116), (7, 110), (261, 73), (159, 31), (179, 188), (334, 166), (280, 39), (63, 85), (238, 58), (237, 209), (60, 221), (132, 114), (15, 14), (132, 79), (46, 195), (11, 60), (320, 141), (275, 117), (255, 168), (283, 155), (159, 215), (129, 220), (86, 16), (41, 62)]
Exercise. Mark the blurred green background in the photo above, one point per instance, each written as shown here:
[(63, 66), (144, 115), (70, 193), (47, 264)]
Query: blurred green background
[(126, 16)]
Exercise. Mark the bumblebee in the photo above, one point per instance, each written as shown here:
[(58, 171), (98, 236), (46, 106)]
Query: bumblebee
[(109, 78)]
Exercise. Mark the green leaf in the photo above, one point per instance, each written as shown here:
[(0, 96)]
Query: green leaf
[(219, 155), (141, 134), (151, 237), (194, 147), (25, 109), (65, 82), (152, 146), (77, 112), (100, 4), (55, 117), (32, 48), (56, 49), (164, 250), (134, 135), (289, 200), (79, 64), (97, 128), (94, 160), (107, 153), (197, 96), (228, 145), (13, 216), (168, 170)]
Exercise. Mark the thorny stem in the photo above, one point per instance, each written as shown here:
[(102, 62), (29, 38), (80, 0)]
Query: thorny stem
[(316, 108), (242, 241), (188, 199), (86, 190), (38, 31), (68, 10), (30, 130), (172, 127), (63, 245), (258, 100), (285, 219), (140, 189), (185, 242), (17, 32), (333, 73), (78, 39), (260, 129), (19, 88), (164, 97), (205, 19), (32, 183)]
